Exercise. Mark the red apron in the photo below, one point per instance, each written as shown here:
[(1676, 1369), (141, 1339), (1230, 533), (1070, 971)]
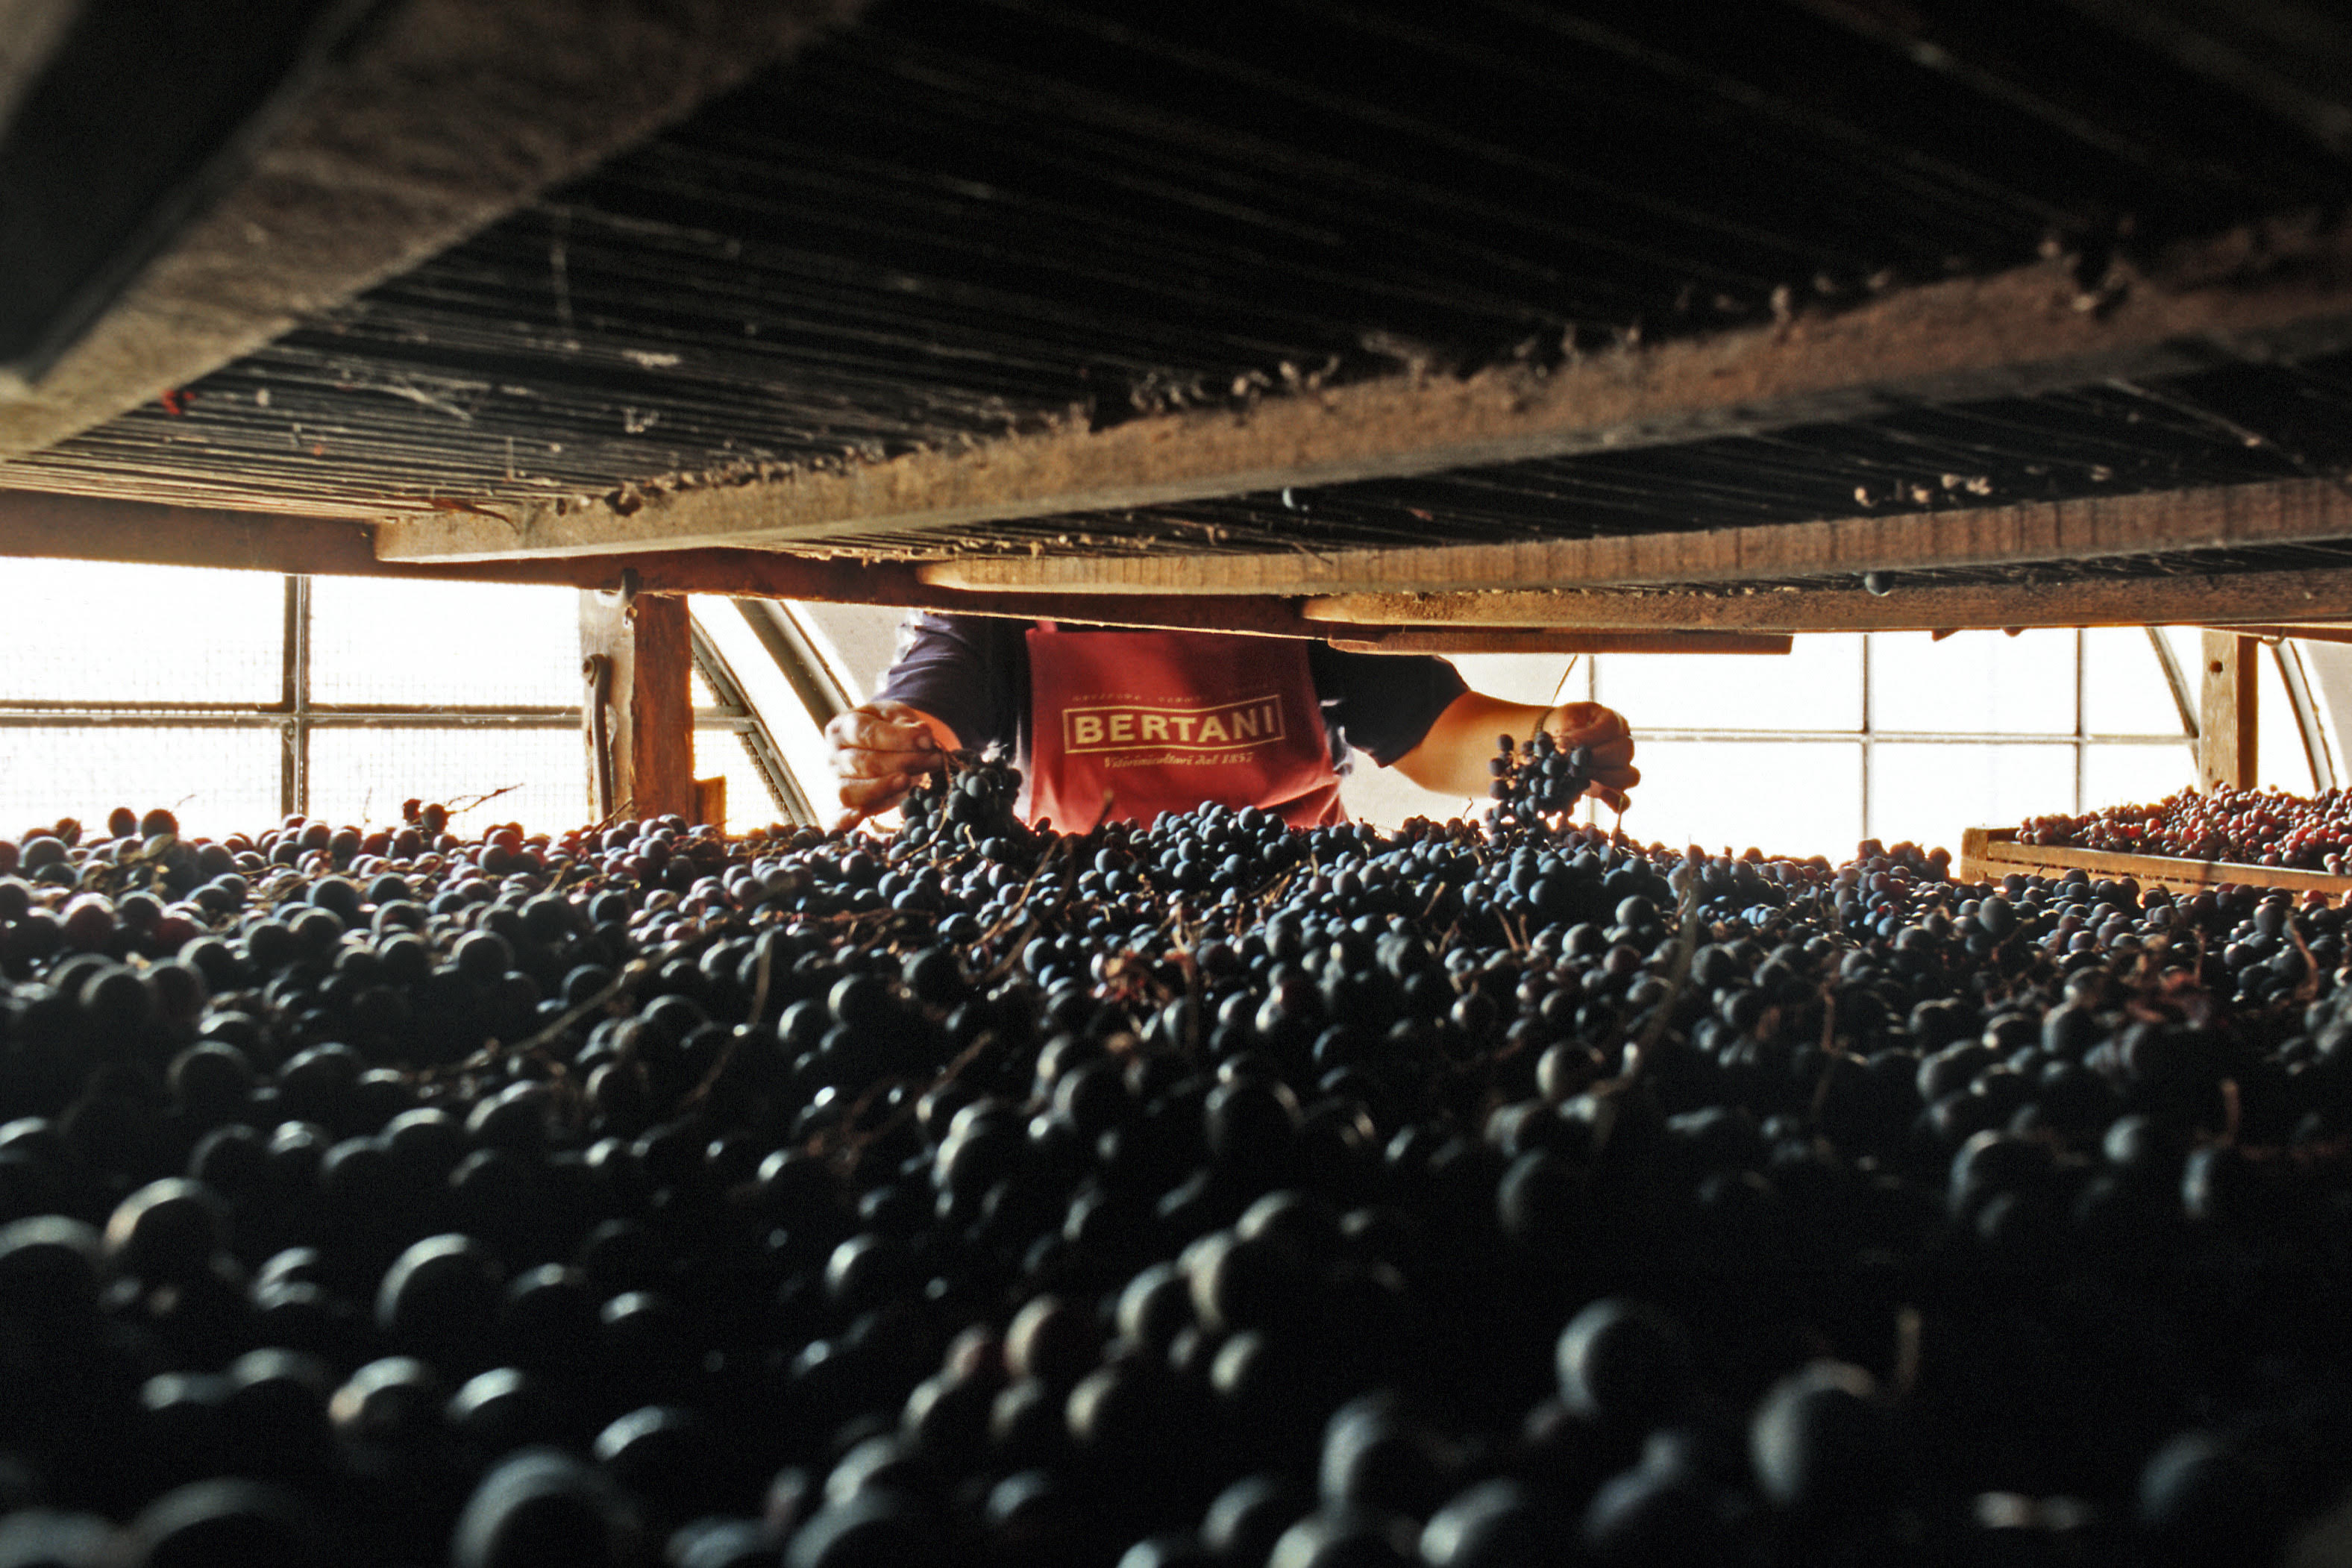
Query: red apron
[(1132, 725)]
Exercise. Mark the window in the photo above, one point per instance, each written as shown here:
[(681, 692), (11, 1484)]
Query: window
[(236, 697), (1905, 735)]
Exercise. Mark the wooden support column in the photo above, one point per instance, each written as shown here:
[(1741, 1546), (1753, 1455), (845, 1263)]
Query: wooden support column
[(2227, 713), (637, 655)]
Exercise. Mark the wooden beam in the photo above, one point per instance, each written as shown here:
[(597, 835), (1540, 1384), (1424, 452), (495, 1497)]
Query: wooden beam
[(444, 115), (2228, 693), (637, 655), (1505, 640), (2293, 511), (2246, 296), (34, 524), (2268, 598), (2305, 632)]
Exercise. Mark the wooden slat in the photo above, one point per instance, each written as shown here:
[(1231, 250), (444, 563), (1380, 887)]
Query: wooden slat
[(2227, 711), (2305, 633), (33, 524), (1503, 640), (1986, 854), (2265, 597), (2296, 512), (647, 725), (711, 800), (445, 115), (2027, 331)]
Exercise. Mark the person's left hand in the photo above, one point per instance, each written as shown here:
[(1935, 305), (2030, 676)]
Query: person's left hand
[(1604, 730)]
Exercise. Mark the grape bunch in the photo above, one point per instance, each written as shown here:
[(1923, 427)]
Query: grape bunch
[(967, 803), (1537, 782)]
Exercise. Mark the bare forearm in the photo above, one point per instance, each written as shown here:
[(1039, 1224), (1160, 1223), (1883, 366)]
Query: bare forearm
[(1453, 758)]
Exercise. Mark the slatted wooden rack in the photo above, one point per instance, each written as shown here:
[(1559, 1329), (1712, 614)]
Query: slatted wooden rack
[(1988, 854)]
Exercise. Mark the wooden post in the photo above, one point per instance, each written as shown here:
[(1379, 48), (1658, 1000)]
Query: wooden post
[(637, 655), (2226, 712), (711, 800)]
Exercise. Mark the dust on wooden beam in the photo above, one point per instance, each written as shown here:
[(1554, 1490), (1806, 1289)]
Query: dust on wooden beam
[(2220, 599), (2247, 295), (2293, 511)]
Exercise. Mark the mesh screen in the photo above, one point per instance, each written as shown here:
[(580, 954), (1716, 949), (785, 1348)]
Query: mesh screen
[(1786, 797), (456, 643), (219, 780), (78, 632), (362, 775), (1931, 793), (723, 754)]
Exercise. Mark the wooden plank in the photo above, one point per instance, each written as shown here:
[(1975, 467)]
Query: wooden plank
[(2267, 597), (1504, 640), (2305, 632), (2246, 295), (445, 115), (2294, 512), (646, 727), (37, 525), (1986, 854), (711, 801), (2227, 711)]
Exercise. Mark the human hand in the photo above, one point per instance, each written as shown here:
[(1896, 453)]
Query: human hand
[(1611, 741), (876, 752)]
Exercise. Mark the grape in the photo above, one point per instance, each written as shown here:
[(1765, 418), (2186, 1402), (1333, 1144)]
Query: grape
[(976, 1190), (2257, 827)]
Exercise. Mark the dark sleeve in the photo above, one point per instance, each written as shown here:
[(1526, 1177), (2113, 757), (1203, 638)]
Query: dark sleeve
[(965, 671), (1382, 703)]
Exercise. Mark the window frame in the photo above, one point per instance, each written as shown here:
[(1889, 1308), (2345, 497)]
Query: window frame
[(294, 717), (1868, 737)]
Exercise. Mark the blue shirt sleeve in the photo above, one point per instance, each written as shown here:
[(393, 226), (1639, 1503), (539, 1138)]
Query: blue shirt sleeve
[(970, 672), (1379, 703)]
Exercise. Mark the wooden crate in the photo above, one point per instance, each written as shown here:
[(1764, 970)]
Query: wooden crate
[(1988, 854)]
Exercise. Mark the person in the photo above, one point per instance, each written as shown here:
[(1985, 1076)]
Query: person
[(1111, 723)]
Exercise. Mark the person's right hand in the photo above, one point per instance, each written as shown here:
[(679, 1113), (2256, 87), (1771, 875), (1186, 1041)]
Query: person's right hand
[(877, 751)]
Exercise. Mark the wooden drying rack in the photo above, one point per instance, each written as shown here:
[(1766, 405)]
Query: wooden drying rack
[(1988, 854)]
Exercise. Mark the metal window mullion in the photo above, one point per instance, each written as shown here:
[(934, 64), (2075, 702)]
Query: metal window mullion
[(796, 659), (1907, 737), (298, 728), (2307, 715), (290, 693), (784, 790), (1869, 740), (2184, 700), (2082, 725)]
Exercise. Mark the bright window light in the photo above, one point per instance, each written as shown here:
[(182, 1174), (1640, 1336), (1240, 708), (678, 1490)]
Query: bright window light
[(1973, 683), (77, 630)]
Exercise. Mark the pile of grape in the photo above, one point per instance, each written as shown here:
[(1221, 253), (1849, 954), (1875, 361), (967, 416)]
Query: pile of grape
[(2245, 827), (1212, 1194), (1537, 783)]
